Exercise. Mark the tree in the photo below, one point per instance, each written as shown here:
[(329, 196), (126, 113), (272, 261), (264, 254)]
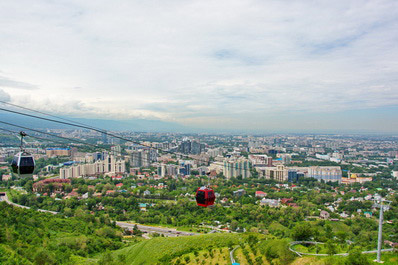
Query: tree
[(329, 232), (122, 258), (355, 257), (44, 257), (136, 231), (331, 247), (302, 232), (342, 236), (234, 225), (106, 258)]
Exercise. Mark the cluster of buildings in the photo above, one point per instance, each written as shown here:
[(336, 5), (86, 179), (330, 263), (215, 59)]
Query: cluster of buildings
[(111, 165), (51, 152), (282, 173), (188, 146), (273, 157), (142, 157), (182, 169), (236, 167)]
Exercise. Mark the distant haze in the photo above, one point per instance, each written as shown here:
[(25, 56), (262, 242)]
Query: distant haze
[(244, 66)]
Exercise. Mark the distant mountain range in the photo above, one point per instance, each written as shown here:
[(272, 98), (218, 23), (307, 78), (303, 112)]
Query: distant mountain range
[(136, 125)]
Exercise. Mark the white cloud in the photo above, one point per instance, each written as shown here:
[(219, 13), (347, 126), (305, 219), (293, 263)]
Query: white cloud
[(6, 82), (4, 96), (200, 60)]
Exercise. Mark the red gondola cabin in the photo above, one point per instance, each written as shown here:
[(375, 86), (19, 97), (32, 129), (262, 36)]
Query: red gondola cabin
[(205, 196)]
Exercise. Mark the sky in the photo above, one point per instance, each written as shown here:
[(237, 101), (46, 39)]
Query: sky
[(217, 65)]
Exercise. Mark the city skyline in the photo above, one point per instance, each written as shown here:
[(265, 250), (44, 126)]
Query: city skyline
[(246, 66)]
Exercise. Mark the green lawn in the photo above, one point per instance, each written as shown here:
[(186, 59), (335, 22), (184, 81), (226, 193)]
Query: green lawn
[(388, 258)]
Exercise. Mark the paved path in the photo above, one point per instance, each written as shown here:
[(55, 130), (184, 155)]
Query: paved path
[(323, 255), (155, 229), (4, 197), (231, 254)]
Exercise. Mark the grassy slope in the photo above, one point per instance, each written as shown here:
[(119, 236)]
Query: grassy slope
[(388, 258), (151, 251), (220, 256), (211, 249), (241, 258)]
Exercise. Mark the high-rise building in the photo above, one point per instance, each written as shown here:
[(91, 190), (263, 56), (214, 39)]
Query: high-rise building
[(292, 175), (236, 167), (325, 173), (116, 150), (104, 137), (161, 170), (167, 170), (261, 160), (279, 173), (215, 152), (143, 157), (109, 165), (191, 147), (184, 169), (286, 158), (58, 152)]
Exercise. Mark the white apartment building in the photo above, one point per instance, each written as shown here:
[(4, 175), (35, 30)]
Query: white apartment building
[(109, 165), (236, 167), (325, 173), (279, 173)]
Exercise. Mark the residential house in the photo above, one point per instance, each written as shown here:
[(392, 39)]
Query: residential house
[(260, 194), (324, 215)]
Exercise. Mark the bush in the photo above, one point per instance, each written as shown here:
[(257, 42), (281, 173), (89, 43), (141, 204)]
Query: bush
[(355, 257), (277, 249), (302, 232)]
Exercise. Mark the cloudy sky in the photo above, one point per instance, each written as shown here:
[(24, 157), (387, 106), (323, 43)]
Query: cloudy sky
[(246, 65)]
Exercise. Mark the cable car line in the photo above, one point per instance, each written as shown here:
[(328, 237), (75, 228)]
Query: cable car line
[(31, 136), (113, 135), (94, 129), (205, 196), (47, 114), (50, 134), (70, 139), (64, 138)]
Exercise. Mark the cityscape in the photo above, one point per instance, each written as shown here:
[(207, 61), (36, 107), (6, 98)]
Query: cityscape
[(287, 182), (229, 132)]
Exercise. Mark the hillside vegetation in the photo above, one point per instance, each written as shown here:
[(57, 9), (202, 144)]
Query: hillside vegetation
[(31, 237), (165, 250)]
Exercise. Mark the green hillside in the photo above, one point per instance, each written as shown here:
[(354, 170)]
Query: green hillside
[(32, 237), (164, 250)]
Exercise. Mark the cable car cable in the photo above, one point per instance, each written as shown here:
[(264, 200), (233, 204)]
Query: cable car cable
[(102, 131), (66, 138), (47, 114), (110, 134), (30, 136)]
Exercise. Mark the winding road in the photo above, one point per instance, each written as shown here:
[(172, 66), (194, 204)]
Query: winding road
[(4, 197), (231, 254), (171, 232)]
